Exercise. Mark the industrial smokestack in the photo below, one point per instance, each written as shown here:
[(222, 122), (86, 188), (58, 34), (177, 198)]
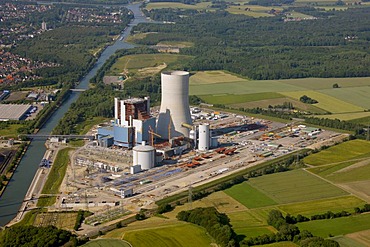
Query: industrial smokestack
[(174, 109)]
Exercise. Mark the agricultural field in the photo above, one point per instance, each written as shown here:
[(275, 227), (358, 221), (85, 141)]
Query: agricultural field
[(186, 235), (249, 224), (280, 244), (251, 10), (181, 44), (228, 99), (265, 103), (345, 172), (249, 196), (173, 5), (349, 116), (355, 95), (348, 242), (287, 187), (60, 220), (145, 64), (327, 83), (107, 243), (342, 152), (214, 76), (362, 237), (362, 120), (337, 226), (347, 203), (346, 103), (326, 102), (241, 87)]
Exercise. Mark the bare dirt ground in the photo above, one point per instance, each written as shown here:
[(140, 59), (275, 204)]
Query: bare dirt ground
[(152, 70), (354, 166), (362, 237)]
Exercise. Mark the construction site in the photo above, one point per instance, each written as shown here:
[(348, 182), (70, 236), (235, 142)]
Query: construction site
[(146, 154)]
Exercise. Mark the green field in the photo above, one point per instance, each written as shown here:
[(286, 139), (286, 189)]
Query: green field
[(345, 172), (347, 203), (10, 131), (348, 242), (249, 196), (186, 235), (106, 243), (280, 244), (61, 220), (214, 76), (278, 101), (295, 186), (242, 87), (327, 83), (340, 153), (355, 95), (326, 102), (238, 98), (250, 10), (56, 176), (173, 5), (363, 120), (349, 116), (338, 226), (135, 63)]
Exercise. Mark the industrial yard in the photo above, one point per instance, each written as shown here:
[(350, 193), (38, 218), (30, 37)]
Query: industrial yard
[(146, 154)]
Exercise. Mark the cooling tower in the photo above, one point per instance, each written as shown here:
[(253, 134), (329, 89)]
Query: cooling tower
[(174, 109)]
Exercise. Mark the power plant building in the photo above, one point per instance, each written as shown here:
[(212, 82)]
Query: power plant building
[(132, 122), (144, 156), (174, 111)]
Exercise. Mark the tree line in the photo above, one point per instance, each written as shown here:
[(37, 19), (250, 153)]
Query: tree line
[(268, 48), (217, 224)]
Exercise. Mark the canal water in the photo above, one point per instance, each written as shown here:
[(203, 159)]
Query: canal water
[(12, 198)]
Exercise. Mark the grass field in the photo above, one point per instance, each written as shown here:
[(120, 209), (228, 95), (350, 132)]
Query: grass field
[(339, 153), (250, 10), (287, 187), (348, 242), (60, 220), (56, 175), (86, 125), (338, 226), (355, 95), (326, 102), (349, 116), (173, 5), (186, 235), (345, 172), (347, 203), (361, 237), (242, 87), (180, 44), (10, 130), (133, 63), (278, 101), (106, 243), (238, 98), (249, 224), (280, 244), (363, 120), (213, 76), (249, 196)]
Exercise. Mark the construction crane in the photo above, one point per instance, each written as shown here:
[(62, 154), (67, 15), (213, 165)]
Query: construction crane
[(169, 130), (152, 134)]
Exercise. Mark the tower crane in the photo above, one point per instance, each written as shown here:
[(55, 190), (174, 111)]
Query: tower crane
[(152, 134)]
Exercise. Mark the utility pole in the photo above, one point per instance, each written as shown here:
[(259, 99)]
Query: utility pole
[(190, 197)]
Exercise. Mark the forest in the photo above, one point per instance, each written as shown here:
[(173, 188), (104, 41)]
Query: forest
[(36, 236), (269, 48)]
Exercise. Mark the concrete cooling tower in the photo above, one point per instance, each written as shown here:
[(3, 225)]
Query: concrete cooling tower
[(174, 109)]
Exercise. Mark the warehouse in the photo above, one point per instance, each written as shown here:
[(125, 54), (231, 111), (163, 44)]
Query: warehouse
[(13, 112)]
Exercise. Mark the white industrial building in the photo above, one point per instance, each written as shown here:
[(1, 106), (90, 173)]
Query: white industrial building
[(144, 156)]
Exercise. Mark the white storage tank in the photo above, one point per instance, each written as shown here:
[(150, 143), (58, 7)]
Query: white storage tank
[(204, 137), (144, 156)]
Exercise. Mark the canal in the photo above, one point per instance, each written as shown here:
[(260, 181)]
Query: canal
[(12, 197)]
